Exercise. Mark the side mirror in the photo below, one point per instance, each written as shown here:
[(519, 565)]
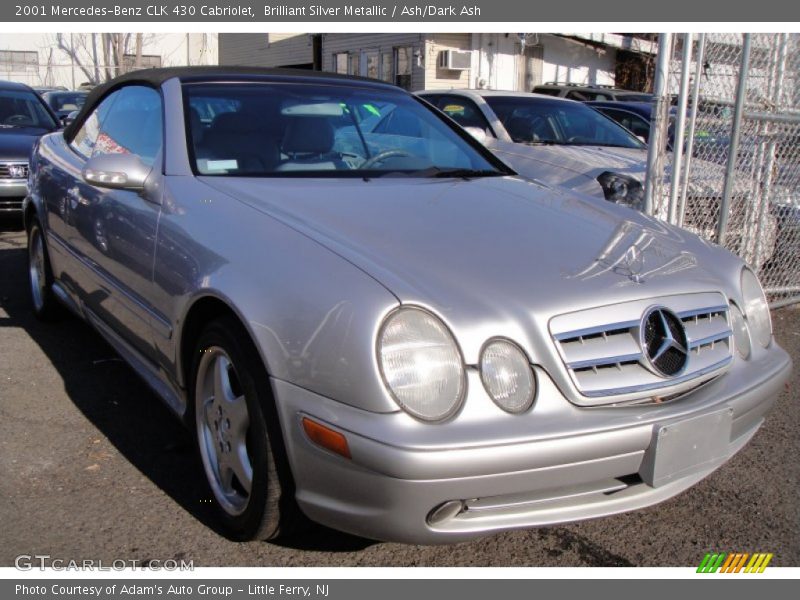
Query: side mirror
[(67, 119), (478, 133), (116, 171)]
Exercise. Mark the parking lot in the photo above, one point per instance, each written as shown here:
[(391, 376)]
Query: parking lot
[(92, 466)]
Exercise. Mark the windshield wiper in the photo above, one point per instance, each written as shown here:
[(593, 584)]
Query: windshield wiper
[(543, 143), (459, 173), (600, 144)]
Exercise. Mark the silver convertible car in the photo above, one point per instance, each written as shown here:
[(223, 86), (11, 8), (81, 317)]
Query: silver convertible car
[(362, 314)]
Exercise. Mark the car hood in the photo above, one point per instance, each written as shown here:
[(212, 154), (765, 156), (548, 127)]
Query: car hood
[(581, 161), (17, 145), (488, 250), (577, 167)]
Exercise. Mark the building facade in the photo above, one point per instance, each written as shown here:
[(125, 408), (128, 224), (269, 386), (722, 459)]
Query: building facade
[(416, 61), (70, 60)]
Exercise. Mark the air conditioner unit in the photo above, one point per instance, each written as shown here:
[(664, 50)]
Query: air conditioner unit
[(455, 60)]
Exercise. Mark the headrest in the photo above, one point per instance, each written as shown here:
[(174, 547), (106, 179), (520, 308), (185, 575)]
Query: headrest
[(232, 122), (308, 135)]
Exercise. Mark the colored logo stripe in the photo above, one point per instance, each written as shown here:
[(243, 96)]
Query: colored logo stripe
[(734, 562), (758, 563), (711, 562)]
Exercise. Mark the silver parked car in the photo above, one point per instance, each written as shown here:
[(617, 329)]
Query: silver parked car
[(565, 143), (554, 140), (361, 312)]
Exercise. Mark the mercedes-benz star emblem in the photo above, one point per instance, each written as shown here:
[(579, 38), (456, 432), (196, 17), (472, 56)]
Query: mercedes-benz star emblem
[(663, 340), (17, 171)]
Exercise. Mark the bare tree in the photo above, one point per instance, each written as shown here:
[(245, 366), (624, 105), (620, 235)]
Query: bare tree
[(102, 56), (76, 48)]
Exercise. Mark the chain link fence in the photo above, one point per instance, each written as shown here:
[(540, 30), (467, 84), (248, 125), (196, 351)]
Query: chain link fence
[(739, 174)]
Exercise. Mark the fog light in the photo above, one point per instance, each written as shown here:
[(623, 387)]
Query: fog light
[(445, 512), (507, 376)]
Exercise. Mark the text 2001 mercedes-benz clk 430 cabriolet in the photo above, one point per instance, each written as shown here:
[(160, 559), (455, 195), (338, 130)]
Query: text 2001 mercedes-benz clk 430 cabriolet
[(361, 312)]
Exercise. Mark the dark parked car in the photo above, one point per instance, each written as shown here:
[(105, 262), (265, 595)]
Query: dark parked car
[(24, 117), (585, 93), (633, 116), (64, 103), (42, 89)]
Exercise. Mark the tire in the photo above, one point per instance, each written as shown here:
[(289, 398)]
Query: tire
[(238, 435), (40, 276)]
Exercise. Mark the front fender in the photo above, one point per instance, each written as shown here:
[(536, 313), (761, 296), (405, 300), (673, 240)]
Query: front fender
[(313, 315)]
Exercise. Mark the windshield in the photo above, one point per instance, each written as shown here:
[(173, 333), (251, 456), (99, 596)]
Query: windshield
[(296, 130), (65, 102), (545, 121), (20, 109)]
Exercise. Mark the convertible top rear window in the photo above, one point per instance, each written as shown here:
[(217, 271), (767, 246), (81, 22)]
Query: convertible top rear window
[(307, 129)]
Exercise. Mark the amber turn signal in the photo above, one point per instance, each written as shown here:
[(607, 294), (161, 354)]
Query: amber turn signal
[(325, 437)]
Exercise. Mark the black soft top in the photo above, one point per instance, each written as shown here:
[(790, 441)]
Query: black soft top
[(155, 77)]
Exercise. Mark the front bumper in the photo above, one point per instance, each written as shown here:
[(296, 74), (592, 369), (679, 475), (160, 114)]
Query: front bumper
[(557, 463), (12, 193)]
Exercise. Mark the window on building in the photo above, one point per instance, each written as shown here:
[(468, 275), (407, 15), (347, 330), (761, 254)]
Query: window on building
[(387, 72), (19, 61), (402, 60), (340, 60), (370, 63), (147, 61)]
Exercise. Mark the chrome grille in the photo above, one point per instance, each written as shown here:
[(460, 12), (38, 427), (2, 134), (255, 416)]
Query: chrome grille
[(605, 358), (6, 168)]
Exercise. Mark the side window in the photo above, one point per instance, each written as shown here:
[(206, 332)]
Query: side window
[(432, 98), (619, 116), (582, 96), (86, 138), (133, 125), (634, 123), (464, 112)]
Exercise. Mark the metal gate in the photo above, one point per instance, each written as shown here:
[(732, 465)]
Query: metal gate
[(727, 123)]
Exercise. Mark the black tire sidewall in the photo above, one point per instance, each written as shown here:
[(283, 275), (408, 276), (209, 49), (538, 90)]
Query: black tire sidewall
[(260, 518), (50, 307)]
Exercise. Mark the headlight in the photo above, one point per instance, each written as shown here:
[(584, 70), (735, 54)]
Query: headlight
[(755, 308), (741, 337), (421, 364), (622, 189), (507, 376)]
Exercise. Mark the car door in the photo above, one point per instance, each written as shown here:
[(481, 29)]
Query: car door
[(115, 229), (65, 195)]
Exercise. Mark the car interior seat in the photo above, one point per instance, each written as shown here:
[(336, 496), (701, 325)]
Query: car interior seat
[(233, 136), (308, 145)]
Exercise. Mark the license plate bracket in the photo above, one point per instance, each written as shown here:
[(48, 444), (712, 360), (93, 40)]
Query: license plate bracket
[(681, 448)]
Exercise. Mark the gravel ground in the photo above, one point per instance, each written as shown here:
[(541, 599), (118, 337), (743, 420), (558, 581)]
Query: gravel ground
[(92, 466)]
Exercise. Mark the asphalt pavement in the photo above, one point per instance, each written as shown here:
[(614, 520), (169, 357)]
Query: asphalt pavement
[(93, 466)]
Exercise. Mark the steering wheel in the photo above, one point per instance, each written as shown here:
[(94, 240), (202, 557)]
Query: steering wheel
[(18, 119), (579, 139), (381, 156)]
